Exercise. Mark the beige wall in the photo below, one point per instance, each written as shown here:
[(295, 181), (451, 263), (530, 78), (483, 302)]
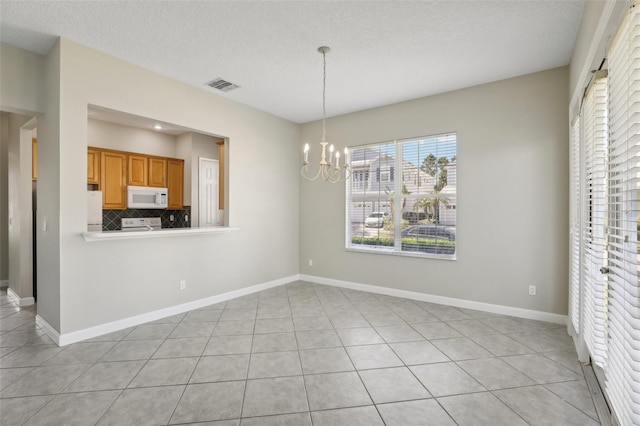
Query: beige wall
[(4, 197), (19, 206), (108, 281), (190, 147), (48, 243), (512, 152), (21, 80), (512, 188), (124, 138)]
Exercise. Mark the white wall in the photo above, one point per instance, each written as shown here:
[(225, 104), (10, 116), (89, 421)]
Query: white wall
[(125, 138), (512, 183), (108, 281)]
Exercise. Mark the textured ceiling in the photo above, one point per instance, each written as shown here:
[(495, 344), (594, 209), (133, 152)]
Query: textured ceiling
[(382, 52)]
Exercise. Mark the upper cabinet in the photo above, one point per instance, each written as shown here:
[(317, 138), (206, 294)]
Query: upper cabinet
[(113, 171), (138, 170), (93, 166), (220, 174), (113, 179), (175, 179), (158, 172)]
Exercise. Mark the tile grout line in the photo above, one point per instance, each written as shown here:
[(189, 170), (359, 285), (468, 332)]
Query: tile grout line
[(246, 380), (304, 381)]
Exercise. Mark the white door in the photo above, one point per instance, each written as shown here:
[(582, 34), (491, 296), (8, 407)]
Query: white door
[(208, 193)]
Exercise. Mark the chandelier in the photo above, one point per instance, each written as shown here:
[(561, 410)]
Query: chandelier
[(327, 169)]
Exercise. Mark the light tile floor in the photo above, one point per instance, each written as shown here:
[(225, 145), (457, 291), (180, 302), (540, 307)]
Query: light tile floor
[(298, 354)]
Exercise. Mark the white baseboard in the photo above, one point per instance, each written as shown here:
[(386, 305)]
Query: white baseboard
[(459, 303), (4, 283), (99, 330), (49, 331), (88, 333), (22, 301)]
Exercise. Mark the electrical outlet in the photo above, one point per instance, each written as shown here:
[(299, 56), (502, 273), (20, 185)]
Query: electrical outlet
[(532, 290), (310, 262), (171, 218), (183, 284)]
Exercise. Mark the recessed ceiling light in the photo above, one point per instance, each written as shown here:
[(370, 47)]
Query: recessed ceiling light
[(157, 127)]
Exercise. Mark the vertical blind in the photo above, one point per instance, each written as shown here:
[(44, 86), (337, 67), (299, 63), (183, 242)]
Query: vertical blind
[(594, 117), (574, 236), (622, 368)]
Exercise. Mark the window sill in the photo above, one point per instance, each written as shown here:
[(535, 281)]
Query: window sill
[(162, 233), (390, 252)]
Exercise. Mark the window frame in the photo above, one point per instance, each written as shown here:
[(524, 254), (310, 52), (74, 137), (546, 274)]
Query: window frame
[(397, 169)]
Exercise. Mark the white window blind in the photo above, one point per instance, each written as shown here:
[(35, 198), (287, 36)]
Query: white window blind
[(402, 197), (574, 236), (622, 368), (594, 138)]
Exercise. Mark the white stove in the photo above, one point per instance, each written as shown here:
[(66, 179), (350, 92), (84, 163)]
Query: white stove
[(131, 224)]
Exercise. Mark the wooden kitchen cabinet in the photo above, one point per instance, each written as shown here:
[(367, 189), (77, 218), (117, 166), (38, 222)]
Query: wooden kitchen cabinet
[(113, 180), (220, 174), (138, 170), (93, 166), (175, 170), (158, 172)]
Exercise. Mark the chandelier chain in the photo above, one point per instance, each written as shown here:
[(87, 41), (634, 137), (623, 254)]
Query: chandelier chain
[(324, 92)]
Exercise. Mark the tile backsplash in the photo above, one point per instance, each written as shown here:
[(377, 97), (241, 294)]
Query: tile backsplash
[(111, 219)]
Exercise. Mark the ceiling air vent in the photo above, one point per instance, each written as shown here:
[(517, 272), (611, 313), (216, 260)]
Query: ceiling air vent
[(222, 85)]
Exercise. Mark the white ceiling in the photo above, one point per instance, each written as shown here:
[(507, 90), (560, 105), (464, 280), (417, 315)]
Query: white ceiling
[(382, 52)]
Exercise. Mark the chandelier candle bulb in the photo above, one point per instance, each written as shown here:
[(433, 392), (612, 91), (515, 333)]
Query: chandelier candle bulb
[(306, 153), (337, 159), (330, 153)]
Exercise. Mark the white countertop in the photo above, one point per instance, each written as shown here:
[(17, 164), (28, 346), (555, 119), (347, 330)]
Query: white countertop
[(161, 233)]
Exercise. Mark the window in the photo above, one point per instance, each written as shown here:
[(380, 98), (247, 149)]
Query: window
[(385, 174), (416, 216)]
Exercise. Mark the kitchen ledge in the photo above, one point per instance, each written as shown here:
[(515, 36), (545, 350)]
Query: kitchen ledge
[(161, 233)]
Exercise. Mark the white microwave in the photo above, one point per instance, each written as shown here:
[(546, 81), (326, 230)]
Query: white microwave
[(146, 197)]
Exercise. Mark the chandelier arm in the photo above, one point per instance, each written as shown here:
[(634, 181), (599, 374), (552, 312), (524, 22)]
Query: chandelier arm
[(304, 173), (339, 175)]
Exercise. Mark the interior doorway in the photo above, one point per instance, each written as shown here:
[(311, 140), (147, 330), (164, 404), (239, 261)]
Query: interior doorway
[(208, 193)]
